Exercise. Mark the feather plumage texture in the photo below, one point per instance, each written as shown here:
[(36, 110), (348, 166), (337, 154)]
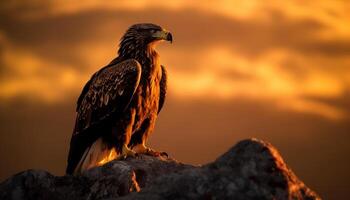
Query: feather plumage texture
[(102, 101), (110, 93), (121, 101)]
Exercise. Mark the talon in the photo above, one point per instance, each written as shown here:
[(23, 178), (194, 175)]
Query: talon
[(142, 149), (164, 154), (126, 152), (153, 153)]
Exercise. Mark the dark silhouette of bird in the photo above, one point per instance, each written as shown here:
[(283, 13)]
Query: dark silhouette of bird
[(118, 107)]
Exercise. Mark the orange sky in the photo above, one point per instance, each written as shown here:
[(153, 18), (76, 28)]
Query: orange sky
[(324, 76), (278, 70)]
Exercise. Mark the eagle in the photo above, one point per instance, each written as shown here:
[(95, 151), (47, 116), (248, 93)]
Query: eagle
[(118, 107)]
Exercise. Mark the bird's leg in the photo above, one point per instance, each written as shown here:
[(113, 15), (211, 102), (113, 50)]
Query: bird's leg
[(138, 140), (122, 135), (126, 152), (141, 149)]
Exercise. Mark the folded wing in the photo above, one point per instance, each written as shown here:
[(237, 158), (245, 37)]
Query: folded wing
[(106, 95)]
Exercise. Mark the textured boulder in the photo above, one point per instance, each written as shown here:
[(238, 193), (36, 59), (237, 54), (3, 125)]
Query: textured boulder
[(252, 169)]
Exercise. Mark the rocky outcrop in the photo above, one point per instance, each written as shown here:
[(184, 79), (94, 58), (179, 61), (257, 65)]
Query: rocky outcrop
[(252, 169)]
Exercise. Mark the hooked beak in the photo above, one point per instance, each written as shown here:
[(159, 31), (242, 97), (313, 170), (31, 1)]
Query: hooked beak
[(163, 35)]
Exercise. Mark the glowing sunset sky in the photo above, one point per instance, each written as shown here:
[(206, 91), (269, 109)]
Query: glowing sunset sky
[(276, 70)]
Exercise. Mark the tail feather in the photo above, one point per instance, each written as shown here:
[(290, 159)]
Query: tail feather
[(95, 155)]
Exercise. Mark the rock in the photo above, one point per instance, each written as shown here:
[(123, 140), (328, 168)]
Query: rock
[(252, 169)]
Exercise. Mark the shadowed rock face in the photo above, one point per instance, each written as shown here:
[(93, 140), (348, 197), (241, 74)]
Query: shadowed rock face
[(252, 169)]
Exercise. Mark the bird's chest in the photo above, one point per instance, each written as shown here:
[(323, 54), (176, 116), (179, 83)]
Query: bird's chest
[(147, 100)]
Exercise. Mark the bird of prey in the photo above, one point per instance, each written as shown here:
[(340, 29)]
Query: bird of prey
[(118, 107)]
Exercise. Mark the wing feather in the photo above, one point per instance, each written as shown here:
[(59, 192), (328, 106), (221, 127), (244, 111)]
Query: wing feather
[(108, 93), (163, 88)]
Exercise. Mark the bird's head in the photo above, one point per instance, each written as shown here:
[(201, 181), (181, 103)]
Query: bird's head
[(142, 35), (147, 33)]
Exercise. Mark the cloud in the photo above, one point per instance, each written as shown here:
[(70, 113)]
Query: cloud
[(242, 58), (263, 79), (26, 74), (251, 36)]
